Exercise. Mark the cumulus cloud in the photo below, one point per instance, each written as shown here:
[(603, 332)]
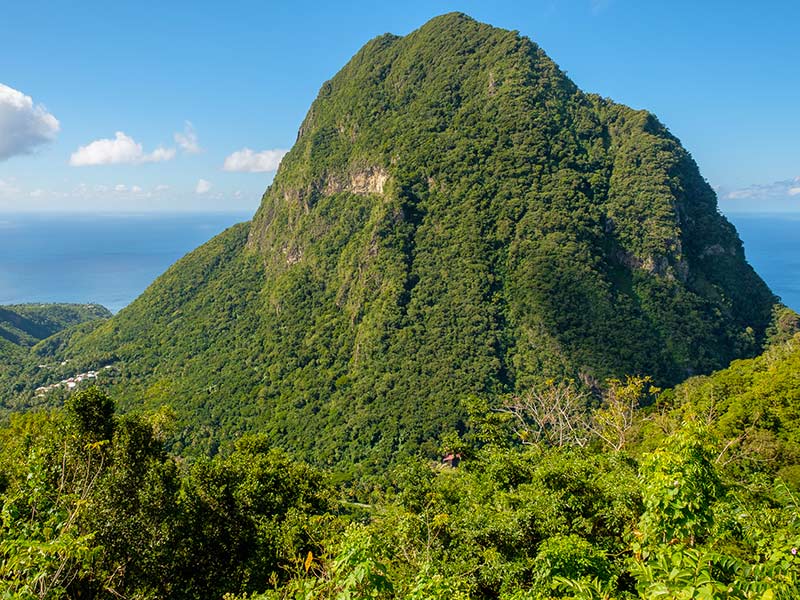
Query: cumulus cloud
[(23, 124), (794, 191), (122, 149), (203, 186), (160, 154), (247, 161), (188, 139)]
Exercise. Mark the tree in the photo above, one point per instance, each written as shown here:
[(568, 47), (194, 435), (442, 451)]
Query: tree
[(91, 413), (44, 548), (613, 421), (555, 414)]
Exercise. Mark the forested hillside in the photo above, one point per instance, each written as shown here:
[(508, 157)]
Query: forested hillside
[(26, 324), (455, 219), (22, 326), (487, 337), (753, 405), (689, 493)]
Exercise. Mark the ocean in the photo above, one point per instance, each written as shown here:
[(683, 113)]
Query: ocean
[(110, 260), (772, 247), (107, 260)]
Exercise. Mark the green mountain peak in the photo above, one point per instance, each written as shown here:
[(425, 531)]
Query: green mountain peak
[(455, 219)]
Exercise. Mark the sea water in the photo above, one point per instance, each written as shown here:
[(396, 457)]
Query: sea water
[(107, 260), (772, 247), (110, 260)]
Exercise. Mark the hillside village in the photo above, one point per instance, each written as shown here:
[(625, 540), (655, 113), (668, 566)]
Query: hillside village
[(70, 383)]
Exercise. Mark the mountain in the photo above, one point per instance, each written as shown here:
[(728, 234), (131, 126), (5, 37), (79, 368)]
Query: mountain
[(455, 219)]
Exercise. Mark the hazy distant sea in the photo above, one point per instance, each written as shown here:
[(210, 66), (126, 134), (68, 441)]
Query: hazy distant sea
[(111, 260)]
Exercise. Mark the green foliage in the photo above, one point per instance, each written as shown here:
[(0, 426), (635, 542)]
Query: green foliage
[(244, 517), (687, 573), (785, 323), (458, 236), (571, 557), (750, 407), (679, 485), (92, 506), (358, 573), (681, 552), (26, 324), (91, 413), (85, 515), (41, 548), (23, 327)]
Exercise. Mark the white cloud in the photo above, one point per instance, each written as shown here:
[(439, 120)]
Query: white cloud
[(777, 197), (23, 125), (245, 160), (8, 188), (203, 186), (188, 139), (121, 150), (123, 196), (771, 191), (738, 194), (160, 154)]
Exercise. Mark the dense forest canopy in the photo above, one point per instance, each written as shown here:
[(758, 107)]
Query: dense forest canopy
[(677, 499), (27, 324)]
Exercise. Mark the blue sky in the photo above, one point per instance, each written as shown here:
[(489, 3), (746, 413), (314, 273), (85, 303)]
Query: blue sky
[(237, 76)]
